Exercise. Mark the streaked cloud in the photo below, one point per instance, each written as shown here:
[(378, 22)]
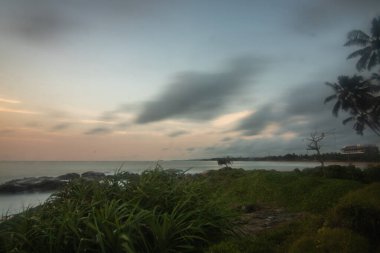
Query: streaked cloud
[(98, 122), (99, 131), (178, 133), (10, 101), (201, 96), (60, 127), (230, 118), (2, 109)]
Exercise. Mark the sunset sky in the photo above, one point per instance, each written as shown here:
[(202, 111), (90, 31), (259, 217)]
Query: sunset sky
[(173, 79)]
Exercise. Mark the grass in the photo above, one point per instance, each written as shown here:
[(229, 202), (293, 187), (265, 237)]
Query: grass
[(169, 211), (293, 191), (159, 212)]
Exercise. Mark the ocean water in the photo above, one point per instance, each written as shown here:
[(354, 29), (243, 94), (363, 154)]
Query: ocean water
[(13, 203)]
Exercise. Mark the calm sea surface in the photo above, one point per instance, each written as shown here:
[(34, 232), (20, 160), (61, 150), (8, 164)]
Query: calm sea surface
[(12, 203)]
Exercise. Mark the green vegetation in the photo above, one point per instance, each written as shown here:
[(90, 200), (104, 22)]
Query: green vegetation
[(169, 211), (159, 212)]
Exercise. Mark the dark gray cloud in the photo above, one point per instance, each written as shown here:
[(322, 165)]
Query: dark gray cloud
[(178, 133), (47, 20), (60, 127), (315, 16), (99, 131), (226, 139), (190, 149), (38, 20), (258, 121), (301, 110), (200, 96)]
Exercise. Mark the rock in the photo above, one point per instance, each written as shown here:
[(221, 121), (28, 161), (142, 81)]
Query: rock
[(43, 184), (69, 176), (93, 175), (31, 184), (249, 208)]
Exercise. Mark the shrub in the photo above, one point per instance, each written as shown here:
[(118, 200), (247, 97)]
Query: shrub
[(336, 171), (359, 211), (331, 240), (372, 174), (224, 247)]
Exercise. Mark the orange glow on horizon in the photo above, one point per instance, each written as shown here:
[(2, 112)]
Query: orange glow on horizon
[(230, 118), (17, 111), (10, 101)]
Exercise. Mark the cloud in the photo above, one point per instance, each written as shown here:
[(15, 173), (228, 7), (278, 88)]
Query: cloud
[(315, 16), (300, 108), (2, 109), (38, 20), (257, 121), (60, 127), (226, 139), (7, 131), (10, 101), (49, 21), (178, 133), (296, 114), (99, 131), (200, 96)]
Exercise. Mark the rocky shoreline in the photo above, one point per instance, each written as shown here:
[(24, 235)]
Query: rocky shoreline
[(45, 184)]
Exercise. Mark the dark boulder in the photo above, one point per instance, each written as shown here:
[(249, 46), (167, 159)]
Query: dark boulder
[(31, 184), (69, 176), (43, 184), (93, 175)]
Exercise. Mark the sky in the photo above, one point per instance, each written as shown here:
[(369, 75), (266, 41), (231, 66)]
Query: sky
[(173, 79)]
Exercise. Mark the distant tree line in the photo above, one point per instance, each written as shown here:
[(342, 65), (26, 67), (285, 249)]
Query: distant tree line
[(332, 157)]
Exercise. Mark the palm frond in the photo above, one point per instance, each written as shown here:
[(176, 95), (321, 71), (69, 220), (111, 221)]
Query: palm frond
[(348, 120), (373, 60), (336, 108), (329, 98), (362, 62), (375, 28), (375, 76), (359, 127), (357, 38), (359, 52), (334, 86)]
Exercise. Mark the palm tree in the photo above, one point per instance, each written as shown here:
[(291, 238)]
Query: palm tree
[(370, 51), (361, 120), (357, 97)]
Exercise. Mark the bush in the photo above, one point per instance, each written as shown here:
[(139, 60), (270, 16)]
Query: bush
[(336, 171), (331, 240), (359, 211), (372, 174), (224, 247)]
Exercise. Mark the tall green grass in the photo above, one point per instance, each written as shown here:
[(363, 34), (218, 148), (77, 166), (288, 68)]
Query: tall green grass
[(158, 212)]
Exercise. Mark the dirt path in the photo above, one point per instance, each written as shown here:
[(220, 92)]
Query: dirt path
[(258, 219)]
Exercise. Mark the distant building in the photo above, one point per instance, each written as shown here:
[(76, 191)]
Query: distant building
[(361, 149)]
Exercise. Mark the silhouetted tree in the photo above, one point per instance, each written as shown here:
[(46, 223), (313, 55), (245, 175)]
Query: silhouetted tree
[(226, 161), (315, 145), (359, 98), (370, 52)]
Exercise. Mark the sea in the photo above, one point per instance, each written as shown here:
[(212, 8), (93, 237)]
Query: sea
[(14, 203)]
